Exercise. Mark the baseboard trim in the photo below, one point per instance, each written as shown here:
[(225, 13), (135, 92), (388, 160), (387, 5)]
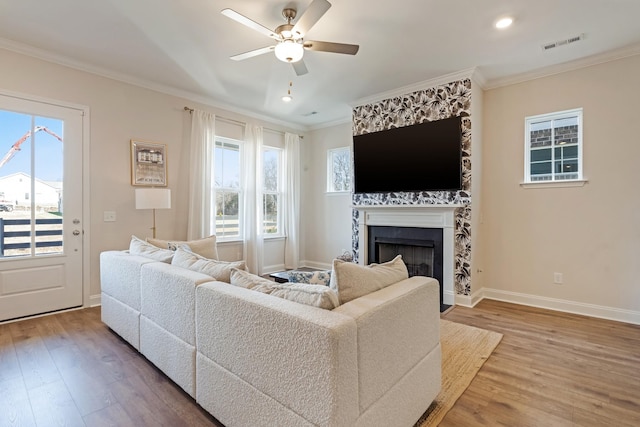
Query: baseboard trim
[(592, 310), (316, 265), (469, 300), (268, 269), (95, 300)]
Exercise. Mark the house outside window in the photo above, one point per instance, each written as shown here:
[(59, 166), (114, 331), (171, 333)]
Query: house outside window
[(272, 191), (339, 170), (228, 189), (553, 147)]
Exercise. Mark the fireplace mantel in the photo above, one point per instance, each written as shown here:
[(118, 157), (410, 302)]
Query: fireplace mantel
[(420, 216)]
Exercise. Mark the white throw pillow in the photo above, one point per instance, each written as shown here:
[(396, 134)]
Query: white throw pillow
[(140, 247), (204, 247), (244, 279), (314, 295), (352, 281), (219, 270), (304, 293)]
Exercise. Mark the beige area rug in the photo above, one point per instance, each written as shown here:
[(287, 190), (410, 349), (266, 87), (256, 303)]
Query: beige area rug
[(464, 351)]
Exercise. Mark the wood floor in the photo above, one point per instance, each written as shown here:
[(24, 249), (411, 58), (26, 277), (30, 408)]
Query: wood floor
[(550, 369)]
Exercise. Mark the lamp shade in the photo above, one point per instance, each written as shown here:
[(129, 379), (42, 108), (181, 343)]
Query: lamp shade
[(289, 51), (153, 198)]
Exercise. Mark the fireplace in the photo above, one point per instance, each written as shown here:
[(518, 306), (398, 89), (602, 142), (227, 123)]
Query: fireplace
[(417, 228)]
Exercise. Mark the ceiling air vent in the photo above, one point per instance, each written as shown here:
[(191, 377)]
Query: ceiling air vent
[(563, 42)]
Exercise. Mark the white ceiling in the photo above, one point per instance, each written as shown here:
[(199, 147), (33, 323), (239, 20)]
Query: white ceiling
[(183, 47)]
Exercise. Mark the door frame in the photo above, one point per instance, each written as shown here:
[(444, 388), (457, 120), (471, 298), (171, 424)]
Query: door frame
[(88, 300)]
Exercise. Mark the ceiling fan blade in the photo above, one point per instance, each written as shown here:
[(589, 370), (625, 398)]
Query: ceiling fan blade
[(252, 53), (314, 12), (300, 68), (348, 49), (230, 13)]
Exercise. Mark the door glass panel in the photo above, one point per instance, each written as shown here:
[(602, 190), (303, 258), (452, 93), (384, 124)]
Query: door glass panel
[(30, 185)]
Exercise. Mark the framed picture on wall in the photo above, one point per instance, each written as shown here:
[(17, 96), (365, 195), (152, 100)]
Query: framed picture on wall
[(148, 163)]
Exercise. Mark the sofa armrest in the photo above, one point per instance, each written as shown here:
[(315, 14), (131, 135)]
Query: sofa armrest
[(398, 327), (303, 357), (120, 276)]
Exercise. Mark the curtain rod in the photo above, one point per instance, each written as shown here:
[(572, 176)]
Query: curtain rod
[(237, 122)]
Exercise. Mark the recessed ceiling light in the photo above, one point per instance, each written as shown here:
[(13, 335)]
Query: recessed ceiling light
[(504, 22)]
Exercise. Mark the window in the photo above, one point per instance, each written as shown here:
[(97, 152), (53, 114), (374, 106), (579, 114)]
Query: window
[(227, 188), (339, 170), (553, 150), (272, 193)]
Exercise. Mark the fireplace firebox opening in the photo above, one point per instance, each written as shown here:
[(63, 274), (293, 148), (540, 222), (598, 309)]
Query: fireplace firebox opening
[(421, 249)]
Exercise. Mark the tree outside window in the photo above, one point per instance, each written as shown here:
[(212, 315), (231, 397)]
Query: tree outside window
[(272, 184), (339, 170), (227, 188)]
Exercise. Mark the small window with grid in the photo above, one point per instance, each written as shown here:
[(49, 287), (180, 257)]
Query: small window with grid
[(553, 147)]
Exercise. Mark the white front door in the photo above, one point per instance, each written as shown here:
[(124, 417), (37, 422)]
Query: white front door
[(41, 231)]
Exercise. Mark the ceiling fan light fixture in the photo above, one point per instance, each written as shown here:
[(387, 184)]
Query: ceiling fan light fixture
[(289, 51)]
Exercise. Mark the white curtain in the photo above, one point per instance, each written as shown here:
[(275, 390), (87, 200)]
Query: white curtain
[(291, 202), (252, 198), (201, 161)]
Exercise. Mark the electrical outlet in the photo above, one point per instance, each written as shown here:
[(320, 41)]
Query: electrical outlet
[(109, 216), (557, 278)]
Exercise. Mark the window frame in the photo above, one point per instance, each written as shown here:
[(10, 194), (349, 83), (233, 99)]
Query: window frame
[(279, 193), (554, 181), (331, 170), (240, 236)]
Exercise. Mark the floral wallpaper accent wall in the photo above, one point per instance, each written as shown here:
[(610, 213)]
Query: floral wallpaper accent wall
[(436, 103)]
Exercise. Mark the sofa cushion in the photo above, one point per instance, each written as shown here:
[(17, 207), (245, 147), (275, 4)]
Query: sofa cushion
[(310, 277), (219, 270), (302, 293), (140, 247), (204, 247), (352, 281)]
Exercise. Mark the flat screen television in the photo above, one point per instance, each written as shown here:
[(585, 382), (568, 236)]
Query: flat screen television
[(421, 157)]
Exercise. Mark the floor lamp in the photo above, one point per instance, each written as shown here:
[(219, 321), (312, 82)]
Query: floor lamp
[(153, 198)]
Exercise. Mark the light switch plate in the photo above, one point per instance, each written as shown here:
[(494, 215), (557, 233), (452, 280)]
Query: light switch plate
[(109, 216)]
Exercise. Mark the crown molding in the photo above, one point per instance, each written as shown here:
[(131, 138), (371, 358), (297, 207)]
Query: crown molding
[(332, 123), (589, 61), (426, 84), (65, 61)]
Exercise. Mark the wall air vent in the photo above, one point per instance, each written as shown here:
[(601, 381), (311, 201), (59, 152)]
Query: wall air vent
[(563, 42)]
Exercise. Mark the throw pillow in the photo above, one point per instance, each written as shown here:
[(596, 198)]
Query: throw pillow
[(244, 279), (140, 247), (302, 293), (219, 270), (310, 277), (352, 281), (204, 247)]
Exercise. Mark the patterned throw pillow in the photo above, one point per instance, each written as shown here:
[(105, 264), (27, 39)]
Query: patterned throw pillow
[(310, 277)]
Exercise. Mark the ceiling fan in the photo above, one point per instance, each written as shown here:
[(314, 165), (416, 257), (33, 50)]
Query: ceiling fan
[(290, 44)]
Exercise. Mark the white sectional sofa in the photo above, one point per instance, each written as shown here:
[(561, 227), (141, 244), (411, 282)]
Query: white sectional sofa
[(253, 359)]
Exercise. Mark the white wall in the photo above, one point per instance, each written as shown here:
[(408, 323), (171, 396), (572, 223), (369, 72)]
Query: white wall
[(119, 112), (589, 234), (325, 217)]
